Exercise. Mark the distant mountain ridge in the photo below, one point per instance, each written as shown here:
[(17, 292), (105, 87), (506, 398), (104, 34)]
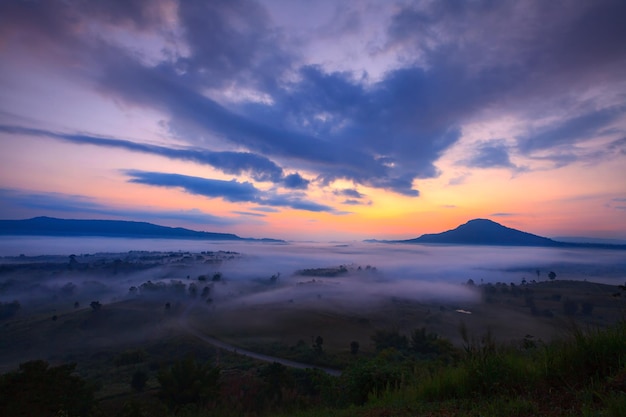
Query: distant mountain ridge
[(49, 226), (488, 232)]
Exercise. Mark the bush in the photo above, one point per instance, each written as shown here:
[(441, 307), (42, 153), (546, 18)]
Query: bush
[(385, 339), (188, 382), (37, 389)]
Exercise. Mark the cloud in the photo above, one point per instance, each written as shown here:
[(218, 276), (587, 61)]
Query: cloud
[(570, 131), (349, 192), (69, 205), (502, 214), (445, 69), (247, 213), (236, 163), (458, 180), (352, 202), (490, 154), (232, 191), (296, 182)]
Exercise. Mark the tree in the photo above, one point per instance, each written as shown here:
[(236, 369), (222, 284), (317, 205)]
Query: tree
[(188, 382), (385, 339), (552, 276), (193, 290), (354, 347), (37, 389), (317, 345), (95, 305)]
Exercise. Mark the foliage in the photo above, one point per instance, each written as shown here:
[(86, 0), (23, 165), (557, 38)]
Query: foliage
[(431, 346), (385, 339), (37, 389), (188, 382)]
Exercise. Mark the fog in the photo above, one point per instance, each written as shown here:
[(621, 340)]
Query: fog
[(247, 280), (373, 270)]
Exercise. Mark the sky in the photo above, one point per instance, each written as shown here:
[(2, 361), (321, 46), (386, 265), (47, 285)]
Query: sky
[(316, 120)]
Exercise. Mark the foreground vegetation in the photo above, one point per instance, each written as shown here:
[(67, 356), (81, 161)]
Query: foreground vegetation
[(422, 374)]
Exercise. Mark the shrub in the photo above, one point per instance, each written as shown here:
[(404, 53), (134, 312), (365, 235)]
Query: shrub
[(188, 382), (37, 389)]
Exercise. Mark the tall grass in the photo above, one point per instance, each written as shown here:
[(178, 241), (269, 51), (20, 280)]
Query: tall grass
[(522, 378)]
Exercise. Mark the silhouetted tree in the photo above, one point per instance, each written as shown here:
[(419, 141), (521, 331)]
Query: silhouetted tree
[(95, 305), (552, 276), (168, 306), (217, 277), (354, 347), (205, 292), (76, 304)]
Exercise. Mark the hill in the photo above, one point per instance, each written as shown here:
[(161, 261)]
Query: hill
[(488, 232), (48, 226)]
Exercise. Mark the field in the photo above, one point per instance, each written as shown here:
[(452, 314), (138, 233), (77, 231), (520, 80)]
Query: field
[(115, 314)]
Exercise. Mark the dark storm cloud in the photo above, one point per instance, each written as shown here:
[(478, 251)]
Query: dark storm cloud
[(233, 191), (65, 204), (492, 154), (237, 163)]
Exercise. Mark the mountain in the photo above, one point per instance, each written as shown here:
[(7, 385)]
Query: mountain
[(488, 232), (48, 226)]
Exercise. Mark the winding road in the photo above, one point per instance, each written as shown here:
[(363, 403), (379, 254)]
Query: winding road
[(255, 355)]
